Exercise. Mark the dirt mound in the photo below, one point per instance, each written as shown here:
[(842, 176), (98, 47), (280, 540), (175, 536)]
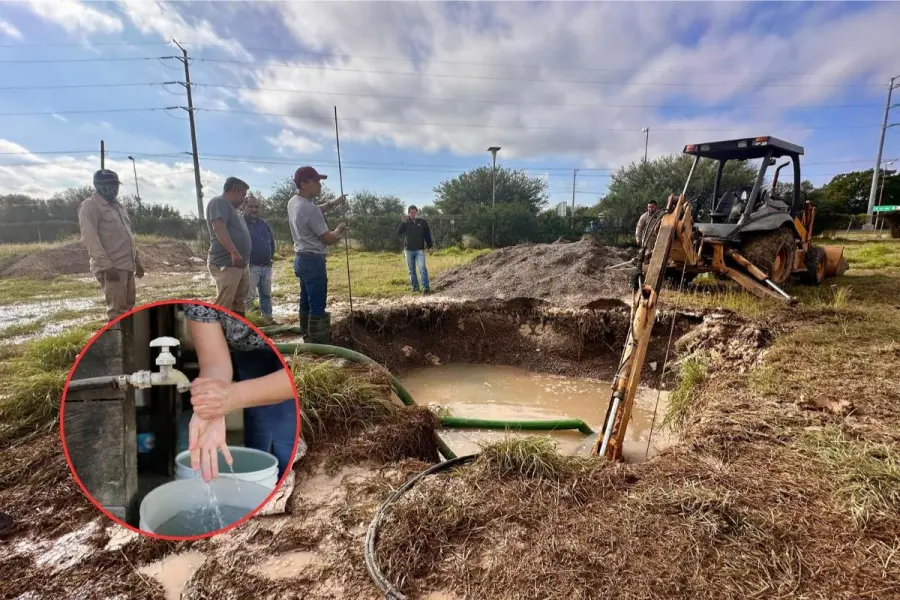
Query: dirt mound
[(73, 259), (569, 274)]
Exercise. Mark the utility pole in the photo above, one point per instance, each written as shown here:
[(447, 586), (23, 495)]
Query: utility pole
[(884, 175), (190, 110), (574, 173), (493, 150), (646, 131), (102, 155), (136, 188), (884, 127)]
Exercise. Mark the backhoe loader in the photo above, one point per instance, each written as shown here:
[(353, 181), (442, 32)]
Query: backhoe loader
[(751, 236)]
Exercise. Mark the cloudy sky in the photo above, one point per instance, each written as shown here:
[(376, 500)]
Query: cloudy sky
[(422, 89)]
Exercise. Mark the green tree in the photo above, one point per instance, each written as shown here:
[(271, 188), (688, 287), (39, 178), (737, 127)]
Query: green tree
[(851, 190), (474, 188), (374, 219), (631, 188)]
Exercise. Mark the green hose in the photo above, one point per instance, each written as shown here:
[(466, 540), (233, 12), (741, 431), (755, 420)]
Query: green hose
[(449, 422), (551, 425)]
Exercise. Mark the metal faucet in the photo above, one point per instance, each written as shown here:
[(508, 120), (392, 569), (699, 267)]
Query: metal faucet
[(167, 375)]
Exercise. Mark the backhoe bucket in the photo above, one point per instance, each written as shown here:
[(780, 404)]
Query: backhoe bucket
[(835, 263)]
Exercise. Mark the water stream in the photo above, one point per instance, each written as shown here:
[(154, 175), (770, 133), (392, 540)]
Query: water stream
[(495, 392)]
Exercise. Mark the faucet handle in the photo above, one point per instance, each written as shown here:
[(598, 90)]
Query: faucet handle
[(165, 357)]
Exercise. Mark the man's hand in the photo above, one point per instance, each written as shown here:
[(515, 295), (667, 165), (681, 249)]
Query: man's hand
[(139, 270), (205, 439), (111, 275), (237, 260), (430, 251), (340, 229), (339, 201), (406, 218), (211, 398)]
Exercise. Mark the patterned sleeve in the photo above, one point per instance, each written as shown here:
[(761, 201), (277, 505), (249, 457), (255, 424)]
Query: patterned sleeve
[(200, 313)]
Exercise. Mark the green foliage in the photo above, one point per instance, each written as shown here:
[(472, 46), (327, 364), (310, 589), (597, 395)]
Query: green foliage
[(374, 219), (850, 191), (693, 373), (632, 187), (473, 189)]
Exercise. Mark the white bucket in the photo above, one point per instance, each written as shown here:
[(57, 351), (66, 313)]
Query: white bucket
[(249, 464), (169, 499)]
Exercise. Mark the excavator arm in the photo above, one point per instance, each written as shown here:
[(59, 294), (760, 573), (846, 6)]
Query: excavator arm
[(628, 375)]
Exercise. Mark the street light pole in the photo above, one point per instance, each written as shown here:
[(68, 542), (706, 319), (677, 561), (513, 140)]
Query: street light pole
[(646, 131), (884, 128), (136, 189), (493, 150)]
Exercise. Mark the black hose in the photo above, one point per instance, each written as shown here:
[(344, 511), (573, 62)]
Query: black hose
[(391, 592)]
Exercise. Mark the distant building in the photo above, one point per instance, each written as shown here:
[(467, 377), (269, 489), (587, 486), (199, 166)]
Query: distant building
[(562, 209)]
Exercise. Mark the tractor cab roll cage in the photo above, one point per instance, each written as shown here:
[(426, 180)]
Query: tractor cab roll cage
[(769, 150)]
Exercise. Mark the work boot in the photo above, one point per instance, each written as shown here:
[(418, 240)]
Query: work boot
[(320, 329), (304, 324)]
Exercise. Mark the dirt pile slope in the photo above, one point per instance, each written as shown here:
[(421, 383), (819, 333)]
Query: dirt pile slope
[(73, 259), (568, 274)]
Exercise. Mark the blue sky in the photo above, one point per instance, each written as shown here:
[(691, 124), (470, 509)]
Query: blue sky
[(422, 89)]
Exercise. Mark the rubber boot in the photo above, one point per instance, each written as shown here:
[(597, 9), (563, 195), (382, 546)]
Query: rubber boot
[(304, 325), (320, 329)]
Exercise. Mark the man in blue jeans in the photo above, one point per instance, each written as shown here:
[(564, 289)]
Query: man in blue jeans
[(262, 253), (311, 240), (418, 238)]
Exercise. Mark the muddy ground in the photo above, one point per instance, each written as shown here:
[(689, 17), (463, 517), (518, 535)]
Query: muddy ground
[(565, 274), (73, 259)]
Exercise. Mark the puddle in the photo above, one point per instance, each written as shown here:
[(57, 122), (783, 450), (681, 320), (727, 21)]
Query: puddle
[(174, 571), (288, 565), (492, 392)]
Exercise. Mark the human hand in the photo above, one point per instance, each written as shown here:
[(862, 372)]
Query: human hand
[(139, 271), (211, 398), (341, 228), (339, 200), (237, 260), (111, 275), (430, 251), (406, 218), (205, 439)]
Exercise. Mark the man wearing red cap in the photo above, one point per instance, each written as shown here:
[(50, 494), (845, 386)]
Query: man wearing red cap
[(311, 240)]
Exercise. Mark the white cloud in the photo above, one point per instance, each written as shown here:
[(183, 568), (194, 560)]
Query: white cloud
[(60, 118), (75, 16), (290, 141), (160, 183), (10, 30), (163, 19), (602, 64)]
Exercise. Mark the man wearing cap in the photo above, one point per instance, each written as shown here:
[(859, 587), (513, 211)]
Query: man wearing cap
[(229, 246), (106, 233), (311, 240)]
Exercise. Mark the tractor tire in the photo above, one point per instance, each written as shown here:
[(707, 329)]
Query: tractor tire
[(773, 252), (815, 266)]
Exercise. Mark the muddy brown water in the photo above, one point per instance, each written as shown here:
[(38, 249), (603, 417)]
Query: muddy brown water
[(500, 392)]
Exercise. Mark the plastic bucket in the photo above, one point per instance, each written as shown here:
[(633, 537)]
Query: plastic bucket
[(169, 499), (249, 464)]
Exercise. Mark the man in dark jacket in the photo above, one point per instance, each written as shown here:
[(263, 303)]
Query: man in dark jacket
[(262, 254), (418, 238)]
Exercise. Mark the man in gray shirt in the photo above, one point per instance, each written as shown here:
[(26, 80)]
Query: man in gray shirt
[(311, 240), (229, 246)]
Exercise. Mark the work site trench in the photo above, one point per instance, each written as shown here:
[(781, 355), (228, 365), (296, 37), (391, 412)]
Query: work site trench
[(525, 360)]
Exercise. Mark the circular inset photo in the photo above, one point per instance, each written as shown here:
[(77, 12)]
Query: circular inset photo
[(180, 420)]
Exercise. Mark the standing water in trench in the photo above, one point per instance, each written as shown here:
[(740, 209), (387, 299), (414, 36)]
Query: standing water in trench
[(507, 393)]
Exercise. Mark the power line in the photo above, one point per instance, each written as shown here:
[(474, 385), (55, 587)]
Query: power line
[(84, 44), (523, 103), (516, 127), (88, 111), (82, 60), (257, 64), (84, 85)]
